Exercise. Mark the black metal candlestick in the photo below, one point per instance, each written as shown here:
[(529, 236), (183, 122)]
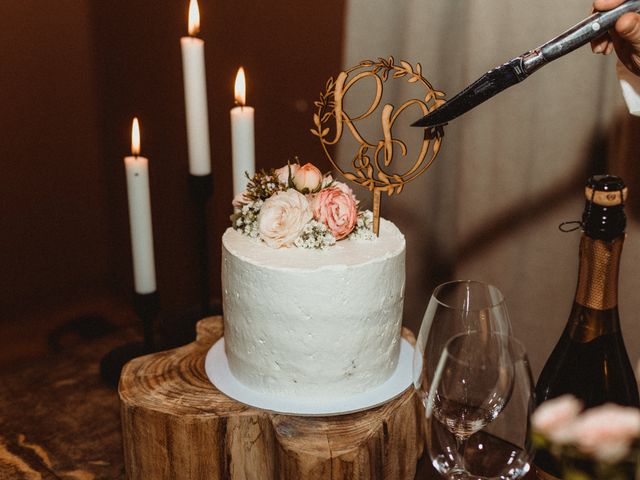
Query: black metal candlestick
[(146, 306), (201, 187), (180, 329)]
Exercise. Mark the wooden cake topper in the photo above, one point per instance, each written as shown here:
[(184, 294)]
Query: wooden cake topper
[(371, 166)]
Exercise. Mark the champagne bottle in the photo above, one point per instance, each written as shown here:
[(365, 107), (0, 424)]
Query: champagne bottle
[(590, 360)]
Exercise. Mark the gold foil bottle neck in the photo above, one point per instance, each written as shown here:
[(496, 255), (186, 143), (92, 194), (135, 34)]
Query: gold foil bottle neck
[(598, 275)]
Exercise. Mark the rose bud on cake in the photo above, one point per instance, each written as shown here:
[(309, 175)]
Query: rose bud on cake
[(285, 174), (337, 208), (307, 179), (282, 218)]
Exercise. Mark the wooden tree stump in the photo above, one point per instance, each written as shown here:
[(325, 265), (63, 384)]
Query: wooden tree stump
[(177, 425)]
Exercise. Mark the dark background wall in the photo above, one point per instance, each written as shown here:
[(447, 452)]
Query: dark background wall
[(53, 199), (74, 73)]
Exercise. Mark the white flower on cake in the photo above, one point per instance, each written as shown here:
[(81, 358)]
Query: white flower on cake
[(315, 235), (364, 227), (246, 220), (282, 218), (299, 206)]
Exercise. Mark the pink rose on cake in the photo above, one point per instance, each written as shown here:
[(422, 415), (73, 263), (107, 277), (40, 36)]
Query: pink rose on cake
[(337, 208), (307, 179), (282, 217)]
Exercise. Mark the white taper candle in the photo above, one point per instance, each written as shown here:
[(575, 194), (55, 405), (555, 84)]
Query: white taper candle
[(195, 96), (242, 137), (137, 171)]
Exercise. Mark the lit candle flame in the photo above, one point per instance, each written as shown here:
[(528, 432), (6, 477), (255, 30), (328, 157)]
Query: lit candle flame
[(135, 137), (241, 88), (194, 17)]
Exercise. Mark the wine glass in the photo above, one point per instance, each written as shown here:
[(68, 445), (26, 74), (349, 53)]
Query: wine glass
[(455, 307), (478, 408)]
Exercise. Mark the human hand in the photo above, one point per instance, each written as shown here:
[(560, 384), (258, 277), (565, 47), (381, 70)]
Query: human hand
[(624, 37)]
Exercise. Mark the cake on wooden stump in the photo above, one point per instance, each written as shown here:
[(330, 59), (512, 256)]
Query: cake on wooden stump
[(313, 290)]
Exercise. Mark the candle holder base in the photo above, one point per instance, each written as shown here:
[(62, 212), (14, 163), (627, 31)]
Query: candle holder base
[(201, 188), (177, 329), (146, 307), (113, 362)]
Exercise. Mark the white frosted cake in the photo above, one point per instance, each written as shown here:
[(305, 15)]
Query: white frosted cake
[(312, 300), (313, 323)]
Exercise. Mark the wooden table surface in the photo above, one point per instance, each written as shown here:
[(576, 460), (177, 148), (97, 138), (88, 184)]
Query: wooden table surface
[(59, 420)]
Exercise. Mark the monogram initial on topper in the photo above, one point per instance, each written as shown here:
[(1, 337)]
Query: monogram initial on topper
[(372, 164)]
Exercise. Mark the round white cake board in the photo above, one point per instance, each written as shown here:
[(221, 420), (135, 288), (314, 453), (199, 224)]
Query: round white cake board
[(217, 369)]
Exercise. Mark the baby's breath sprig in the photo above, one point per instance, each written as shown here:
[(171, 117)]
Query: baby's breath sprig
[(246, 219), (315, 235), (363, 229)]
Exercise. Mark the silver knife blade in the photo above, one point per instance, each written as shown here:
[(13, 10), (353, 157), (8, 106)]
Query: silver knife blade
[(490, 84), (519, 68)]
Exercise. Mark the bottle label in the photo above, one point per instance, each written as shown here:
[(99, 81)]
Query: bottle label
[(598, 275), (542, 475), (606, 198)]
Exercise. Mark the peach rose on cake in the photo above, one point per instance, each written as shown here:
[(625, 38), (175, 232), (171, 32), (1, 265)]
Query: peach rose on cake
[(337, 208), (282, 218), (307, 178)]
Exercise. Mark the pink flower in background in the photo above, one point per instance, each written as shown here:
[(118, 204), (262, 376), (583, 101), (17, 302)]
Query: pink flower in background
[(282, 218), (307, 178), (607, 432), (336, 207), (554, 418), (283, 172)]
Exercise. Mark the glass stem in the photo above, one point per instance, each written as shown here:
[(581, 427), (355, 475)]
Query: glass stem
[(461, 445)]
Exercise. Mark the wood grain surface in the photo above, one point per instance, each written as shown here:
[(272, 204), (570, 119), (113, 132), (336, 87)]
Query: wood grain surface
[(176, 425)]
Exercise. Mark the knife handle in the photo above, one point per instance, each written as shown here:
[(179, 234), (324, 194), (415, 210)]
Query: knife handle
[(585, 31)]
